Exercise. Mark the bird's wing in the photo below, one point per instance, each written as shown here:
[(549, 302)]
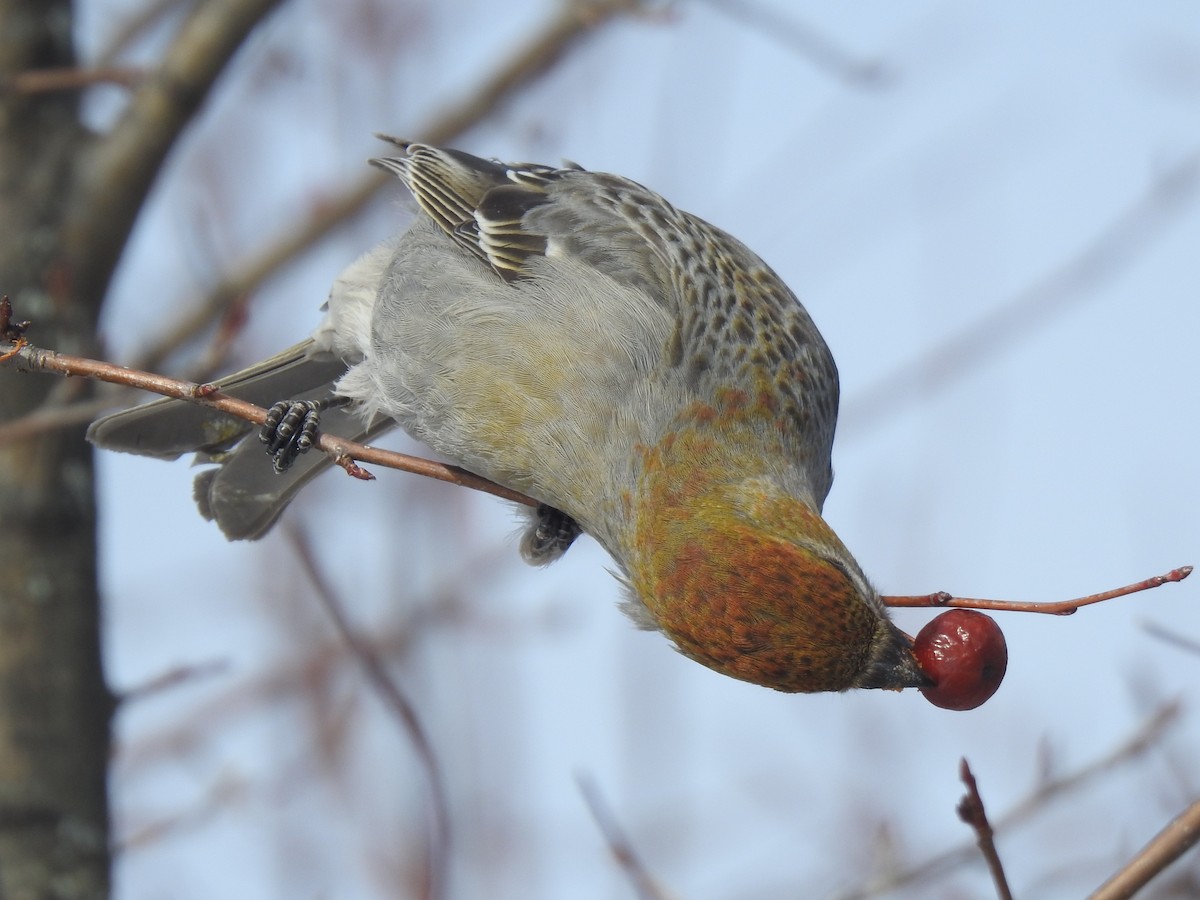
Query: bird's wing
[(737, 326)]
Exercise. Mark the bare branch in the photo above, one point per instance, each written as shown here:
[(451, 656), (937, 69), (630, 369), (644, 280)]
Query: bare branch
[(343, 451), (398, 703), (173, 677), (52, 416), (1146, 737), (971, 811), (644, 884), (1180, 835), (123, 164), (41, 81), (1165, 634), (294, 673), (1057, 608)]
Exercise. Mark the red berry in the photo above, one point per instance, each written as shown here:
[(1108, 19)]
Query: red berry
[(963, 651)]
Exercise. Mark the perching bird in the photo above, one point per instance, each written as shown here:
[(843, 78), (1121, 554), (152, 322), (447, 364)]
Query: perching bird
[(641, 373)]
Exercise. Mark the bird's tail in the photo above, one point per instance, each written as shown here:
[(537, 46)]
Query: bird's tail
[(242, 493)]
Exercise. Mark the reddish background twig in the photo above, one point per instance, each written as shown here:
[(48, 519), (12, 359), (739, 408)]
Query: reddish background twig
[(971, 811)]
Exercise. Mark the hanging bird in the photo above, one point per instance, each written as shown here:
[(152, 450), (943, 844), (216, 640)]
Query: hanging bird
[(642, 374)]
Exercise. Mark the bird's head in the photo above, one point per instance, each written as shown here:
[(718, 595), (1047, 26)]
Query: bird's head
[(749, 580)]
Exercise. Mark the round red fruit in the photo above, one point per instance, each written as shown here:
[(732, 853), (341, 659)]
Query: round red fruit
[(963, 651)]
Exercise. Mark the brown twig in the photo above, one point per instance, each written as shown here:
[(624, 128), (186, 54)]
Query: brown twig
[(644, 884), (10, 330), (1179, 836), (60, 410), (400, 705), (344, 452), (1056, 608), (1147, 736), (971, 811), (41, 81), (173, 677)]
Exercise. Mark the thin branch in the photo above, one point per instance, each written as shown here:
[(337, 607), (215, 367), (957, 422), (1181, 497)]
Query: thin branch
[(60, 408), (1180, 835), (794, 34), (140, 21), (971, 811), (395, 640), (344, 452), (1165, 634), (215, 801), (1056, 608), (1120, 244), (1147, 736), (172, 678), (41, 81), (572, 23), (644, 884), (121, 166), (52, 416), (398, 703)]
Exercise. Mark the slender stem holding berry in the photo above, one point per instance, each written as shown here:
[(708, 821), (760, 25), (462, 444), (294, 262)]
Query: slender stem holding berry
[(1057, 608), (971, 811), (345, 452)]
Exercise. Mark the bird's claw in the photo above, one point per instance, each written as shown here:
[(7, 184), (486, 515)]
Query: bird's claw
[(289, 430), (548, 536)]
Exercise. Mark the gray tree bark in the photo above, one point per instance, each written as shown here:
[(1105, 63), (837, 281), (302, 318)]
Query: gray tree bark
[(54, 706), (68, 201)]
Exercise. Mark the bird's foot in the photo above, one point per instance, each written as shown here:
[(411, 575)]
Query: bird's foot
[(548, 536), (289, 430)]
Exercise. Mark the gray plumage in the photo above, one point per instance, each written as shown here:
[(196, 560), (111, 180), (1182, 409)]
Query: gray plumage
[(522, 291)]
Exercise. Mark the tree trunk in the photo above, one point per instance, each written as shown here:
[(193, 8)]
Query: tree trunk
[(54, 706)]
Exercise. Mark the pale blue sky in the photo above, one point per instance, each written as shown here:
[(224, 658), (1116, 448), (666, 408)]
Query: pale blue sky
[(1058, 460)]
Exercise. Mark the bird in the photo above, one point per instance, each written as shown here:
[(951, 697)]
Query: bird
[(639, 372)]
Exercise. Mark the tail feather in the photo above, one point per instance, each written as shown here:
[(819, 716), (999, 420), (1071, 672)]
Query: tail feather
[(168, 428), (245, 496), (242, 494)]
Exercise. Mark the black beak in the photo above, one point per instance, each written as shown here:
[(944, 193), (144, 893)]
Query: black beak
[(892, 665)]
